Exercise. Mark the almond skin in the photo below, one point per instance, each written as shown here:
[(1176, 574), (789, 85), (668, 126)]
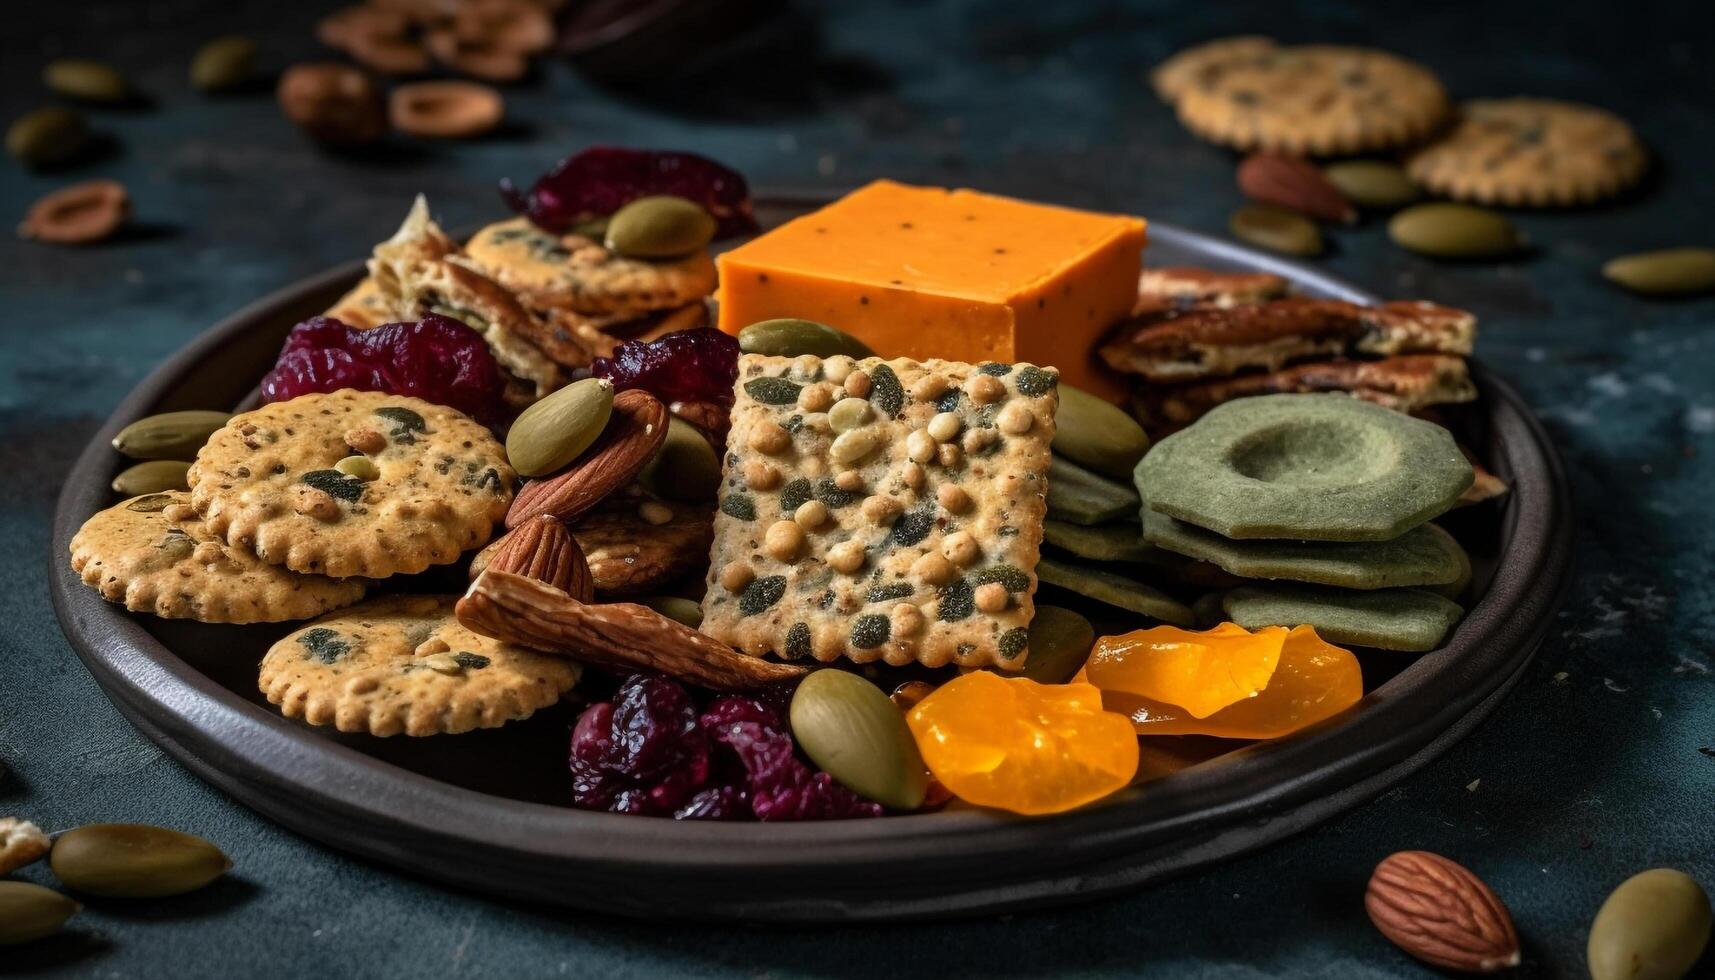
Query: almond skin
[(1441, 913), (543, 549), (1294, 184), (635, 430)]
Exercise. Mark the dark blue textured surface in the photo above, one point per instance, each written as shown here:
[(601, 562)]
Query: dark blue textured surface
[(1591, 770)]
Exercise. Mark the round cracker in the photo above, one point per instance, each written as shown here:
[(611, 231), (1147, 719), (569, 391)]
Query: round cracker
[(1531, 153), (572, 272)]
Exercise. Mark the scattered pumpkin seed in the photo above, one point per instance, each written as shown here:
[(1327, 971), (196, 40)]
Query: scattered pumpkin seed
[(170, 435), (552, 432), (224, 63), (1454, 231), (659, 226), (1654, 926), (361, 467), (676, 608), (850, 728), (1060, 642), (47, 136), (793, 338), (154, 476), (1666, 272), (685, 468), (86, 79), (122, 860), (1375, 184), (1276, 229), (773, 391), (1097, 434), (29, 912)]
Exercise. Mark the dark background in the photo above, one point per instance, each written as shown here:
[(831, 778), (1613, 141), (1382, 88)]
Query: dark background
[(1601, 763)]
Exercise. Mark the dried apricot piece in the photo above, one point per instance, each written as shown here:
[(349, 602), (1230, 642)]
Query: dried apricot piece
[(1014, 744), (1199, 672), (1314, 680)]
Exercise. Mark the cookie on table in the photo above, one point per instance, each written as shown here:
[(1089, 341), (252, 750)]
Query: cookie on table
[(266, 482), (573, 272), (1314, 99), (419, 270), (1201, 62), (405, 664), (1531, 153), (153, 555), (882, 510)]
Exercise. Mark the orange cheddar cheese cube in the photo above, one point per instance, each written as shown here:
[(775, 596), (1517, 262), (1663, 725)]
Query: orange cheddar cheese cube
[(925, 272)]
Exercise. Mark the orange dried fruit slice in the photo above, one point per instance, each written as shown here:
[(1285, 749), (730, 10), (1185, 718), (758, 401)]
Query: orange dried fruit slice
[(1313, 681), (1014, 744), (1199, 672)]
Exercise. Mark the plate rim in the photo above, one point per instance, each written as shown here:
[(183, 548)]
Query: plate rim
[(178, 707)]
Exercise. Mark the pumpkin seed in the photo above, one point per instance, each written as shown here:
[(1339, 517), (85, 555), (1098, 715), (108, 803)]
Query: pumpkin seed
[(1667, 272), (1374, 184), (1653, 927), (1276, 229), (29, 912), (552, 432), (676, 608), (155, 476), (659, 227), (685, 468), (849, 728), (170, 435), (47, 136), (86, 79), (1060, 642), (361, 467), (794, 338), (224, 63), (1077, 495), (122, 860), (1454, 231), (1097, 434)]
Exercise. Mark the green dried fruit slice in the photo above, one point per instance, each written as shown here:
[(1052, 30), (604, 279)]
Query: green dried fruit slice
[(1424, 555), (1077, 495), (1407, 620), (1114, 590), (1305, 467)]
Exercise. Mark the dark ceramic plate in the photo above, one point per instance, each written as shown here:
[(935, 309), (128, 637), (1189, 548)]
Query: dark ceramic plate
[(485, 811)]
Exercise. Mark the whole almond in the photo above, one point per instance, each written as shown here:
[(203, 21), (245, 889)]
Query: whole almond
[(1294, 184), (1441, 913), (543, 549), (635, 430)]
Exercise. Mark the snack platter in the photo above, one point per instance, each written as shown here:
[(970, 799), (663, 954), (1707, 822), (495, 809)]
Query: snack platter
[(493, 808)]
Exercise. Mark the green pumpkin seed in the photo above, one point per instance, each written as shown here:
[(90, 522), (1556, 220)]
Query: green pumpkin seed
[(361, 467), (1454, 231), (123, 860), (676, 608), (47, 136), (1374, 184), (552, 432), (86, 79), (155, 476), (793, 338), (1060, 642), (659, 227), (171, 435), (1097, 434), (29, 912), (1653, 927), (224, 63), (595, 228), (685, 468), (1276, 229), (1667, 272), (1077, 495), (849, 728)]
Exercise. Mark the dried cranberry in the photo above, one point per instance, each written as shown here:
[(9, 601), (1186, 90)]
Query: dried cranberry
[(643, 753), (690, 365), (602, 179), (716, 803), (437, 359), (781, 786)]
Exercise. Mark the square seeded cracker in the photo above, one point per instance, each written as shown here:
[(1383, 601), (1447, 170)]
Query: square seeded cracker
[(882, 510)]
